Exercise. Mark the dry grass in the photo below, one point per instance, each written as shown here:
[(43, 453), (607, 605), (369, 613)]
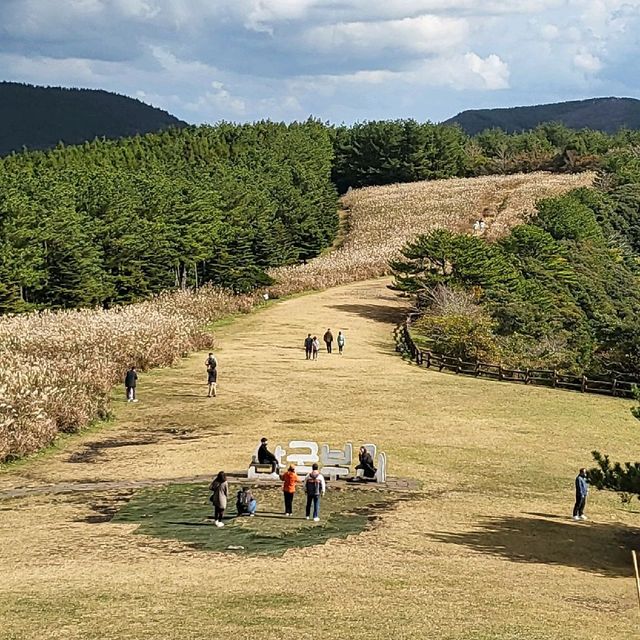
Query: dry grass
[(383, 219), (486, 552), (58, 367)]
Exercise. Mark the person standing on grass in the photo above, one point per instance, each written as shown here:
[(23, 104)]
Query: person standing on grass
[(290, 479), (314, 487), (582, 489), (212, 375), (328, 339), (246, 504), (315, 347), (130, 382), (308, 346), (340, 340), (219, 491), (266, 457)]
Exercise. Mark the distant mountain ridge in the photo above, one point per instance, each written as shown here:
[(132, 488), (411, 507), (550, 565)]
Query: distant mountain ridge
[(40, 117), (603, 114)]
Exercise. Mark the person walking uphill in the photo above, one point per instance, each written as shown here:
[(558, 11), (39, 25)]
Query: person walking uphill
[(328, 339), (219, 492), (314, 487), (340, 340), (308, 346), (290, 479), (315, 347), (582, 489), (130, 381)]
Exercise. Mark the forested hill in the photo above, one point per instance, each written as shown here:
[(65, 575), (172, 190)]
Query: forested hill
[(115, 221), (41, 117), (600, 114)]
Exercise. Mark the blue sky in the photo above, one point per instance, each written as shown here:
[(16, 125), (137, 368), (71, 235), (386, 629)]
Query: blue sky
[(339, 60)]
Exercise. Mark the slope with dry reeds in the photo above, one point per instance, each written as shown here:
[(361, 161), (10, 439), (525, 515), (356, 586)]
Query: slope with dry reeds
[(58, 368)]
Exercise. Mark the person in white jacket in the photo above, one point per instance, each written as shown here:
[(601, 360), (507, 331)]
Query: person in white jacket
[(314, 487)]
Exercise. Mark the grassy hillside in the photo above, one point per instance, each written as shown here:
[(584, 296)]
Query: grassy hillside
[(486, 550), (601, 114), (41, 117)]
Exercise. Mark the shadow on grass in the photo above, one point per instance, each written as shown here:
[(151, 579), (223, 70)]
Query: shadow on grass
[(388, 314), (181, 512), (599, 548)]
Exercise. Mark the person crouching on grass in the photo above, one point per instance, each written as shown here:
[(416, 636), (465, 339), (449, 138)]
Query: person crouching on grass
[(219, 491)]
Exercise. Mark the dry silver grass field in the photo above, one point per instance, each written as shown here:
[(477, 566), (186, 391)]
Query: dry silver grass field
[(382, 219), (486, 550)]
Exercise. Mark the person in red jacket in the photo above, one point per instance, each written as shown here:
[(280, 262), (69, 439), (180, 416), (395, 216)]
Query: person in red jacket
[(290, 479)]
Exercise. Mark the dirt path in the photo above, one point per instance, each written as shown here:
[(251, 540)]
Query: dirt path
[(487, 552)]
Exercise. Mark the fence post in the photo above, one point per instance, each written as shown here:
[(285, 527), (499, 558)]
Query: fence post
[(477, 371), (583, 386), (428, 359), (614, 386), (500, 376), (459, 367), (555, 378)]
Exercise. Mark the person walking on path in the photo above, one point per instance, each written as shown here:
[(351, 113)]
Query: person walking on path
[(212, 375), (328, 339), (265, 456), (315, 347), (219, 491), (246, 504), (308, 346), (582, 489), (290, 479), (314, 487), (340, 340), (130, 382)]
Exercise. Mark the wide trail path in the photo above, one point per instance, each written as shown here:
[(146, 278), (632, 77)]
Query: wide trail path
[(485, 551)]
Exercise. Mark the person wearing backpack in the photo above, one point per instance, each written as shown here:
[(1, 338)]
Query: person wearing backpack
[(219, 491), (314, 487), (212, 375), (246, 504)]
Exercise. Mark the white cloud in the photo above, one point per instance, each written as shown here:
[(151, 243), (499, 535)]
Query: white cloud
[(423, 34), (587, 62)]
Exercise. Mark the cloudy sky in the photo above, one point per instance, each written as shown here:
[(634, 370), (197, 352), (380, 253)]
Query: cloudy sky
[(339, 60)]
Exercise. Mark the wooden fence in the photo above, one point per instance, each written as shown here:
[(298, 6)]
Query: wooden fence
[(621, 386)]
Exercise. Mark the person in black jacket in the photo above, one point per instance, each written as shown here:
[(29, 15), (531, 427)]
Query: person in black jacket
[(365, 462), (130, 381), (266, 457), (308, 346)]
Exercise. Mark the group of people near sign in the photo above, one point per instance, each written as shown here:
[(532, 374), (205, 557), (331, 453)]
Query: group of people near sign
[(314, 485), (312, 344)]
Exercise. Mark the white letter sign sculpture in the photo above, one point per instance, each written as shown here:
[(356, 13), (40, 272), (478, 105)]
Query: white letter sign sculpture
[(333, 463)]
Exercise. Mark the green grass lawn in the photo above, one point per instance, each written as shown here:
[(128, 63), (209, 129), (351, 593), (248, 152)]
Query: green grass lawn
[(183, 512)]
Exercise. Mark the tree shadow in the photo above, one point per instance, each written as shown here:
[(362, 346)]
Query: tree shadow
[(604, 549), (389, 314)]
